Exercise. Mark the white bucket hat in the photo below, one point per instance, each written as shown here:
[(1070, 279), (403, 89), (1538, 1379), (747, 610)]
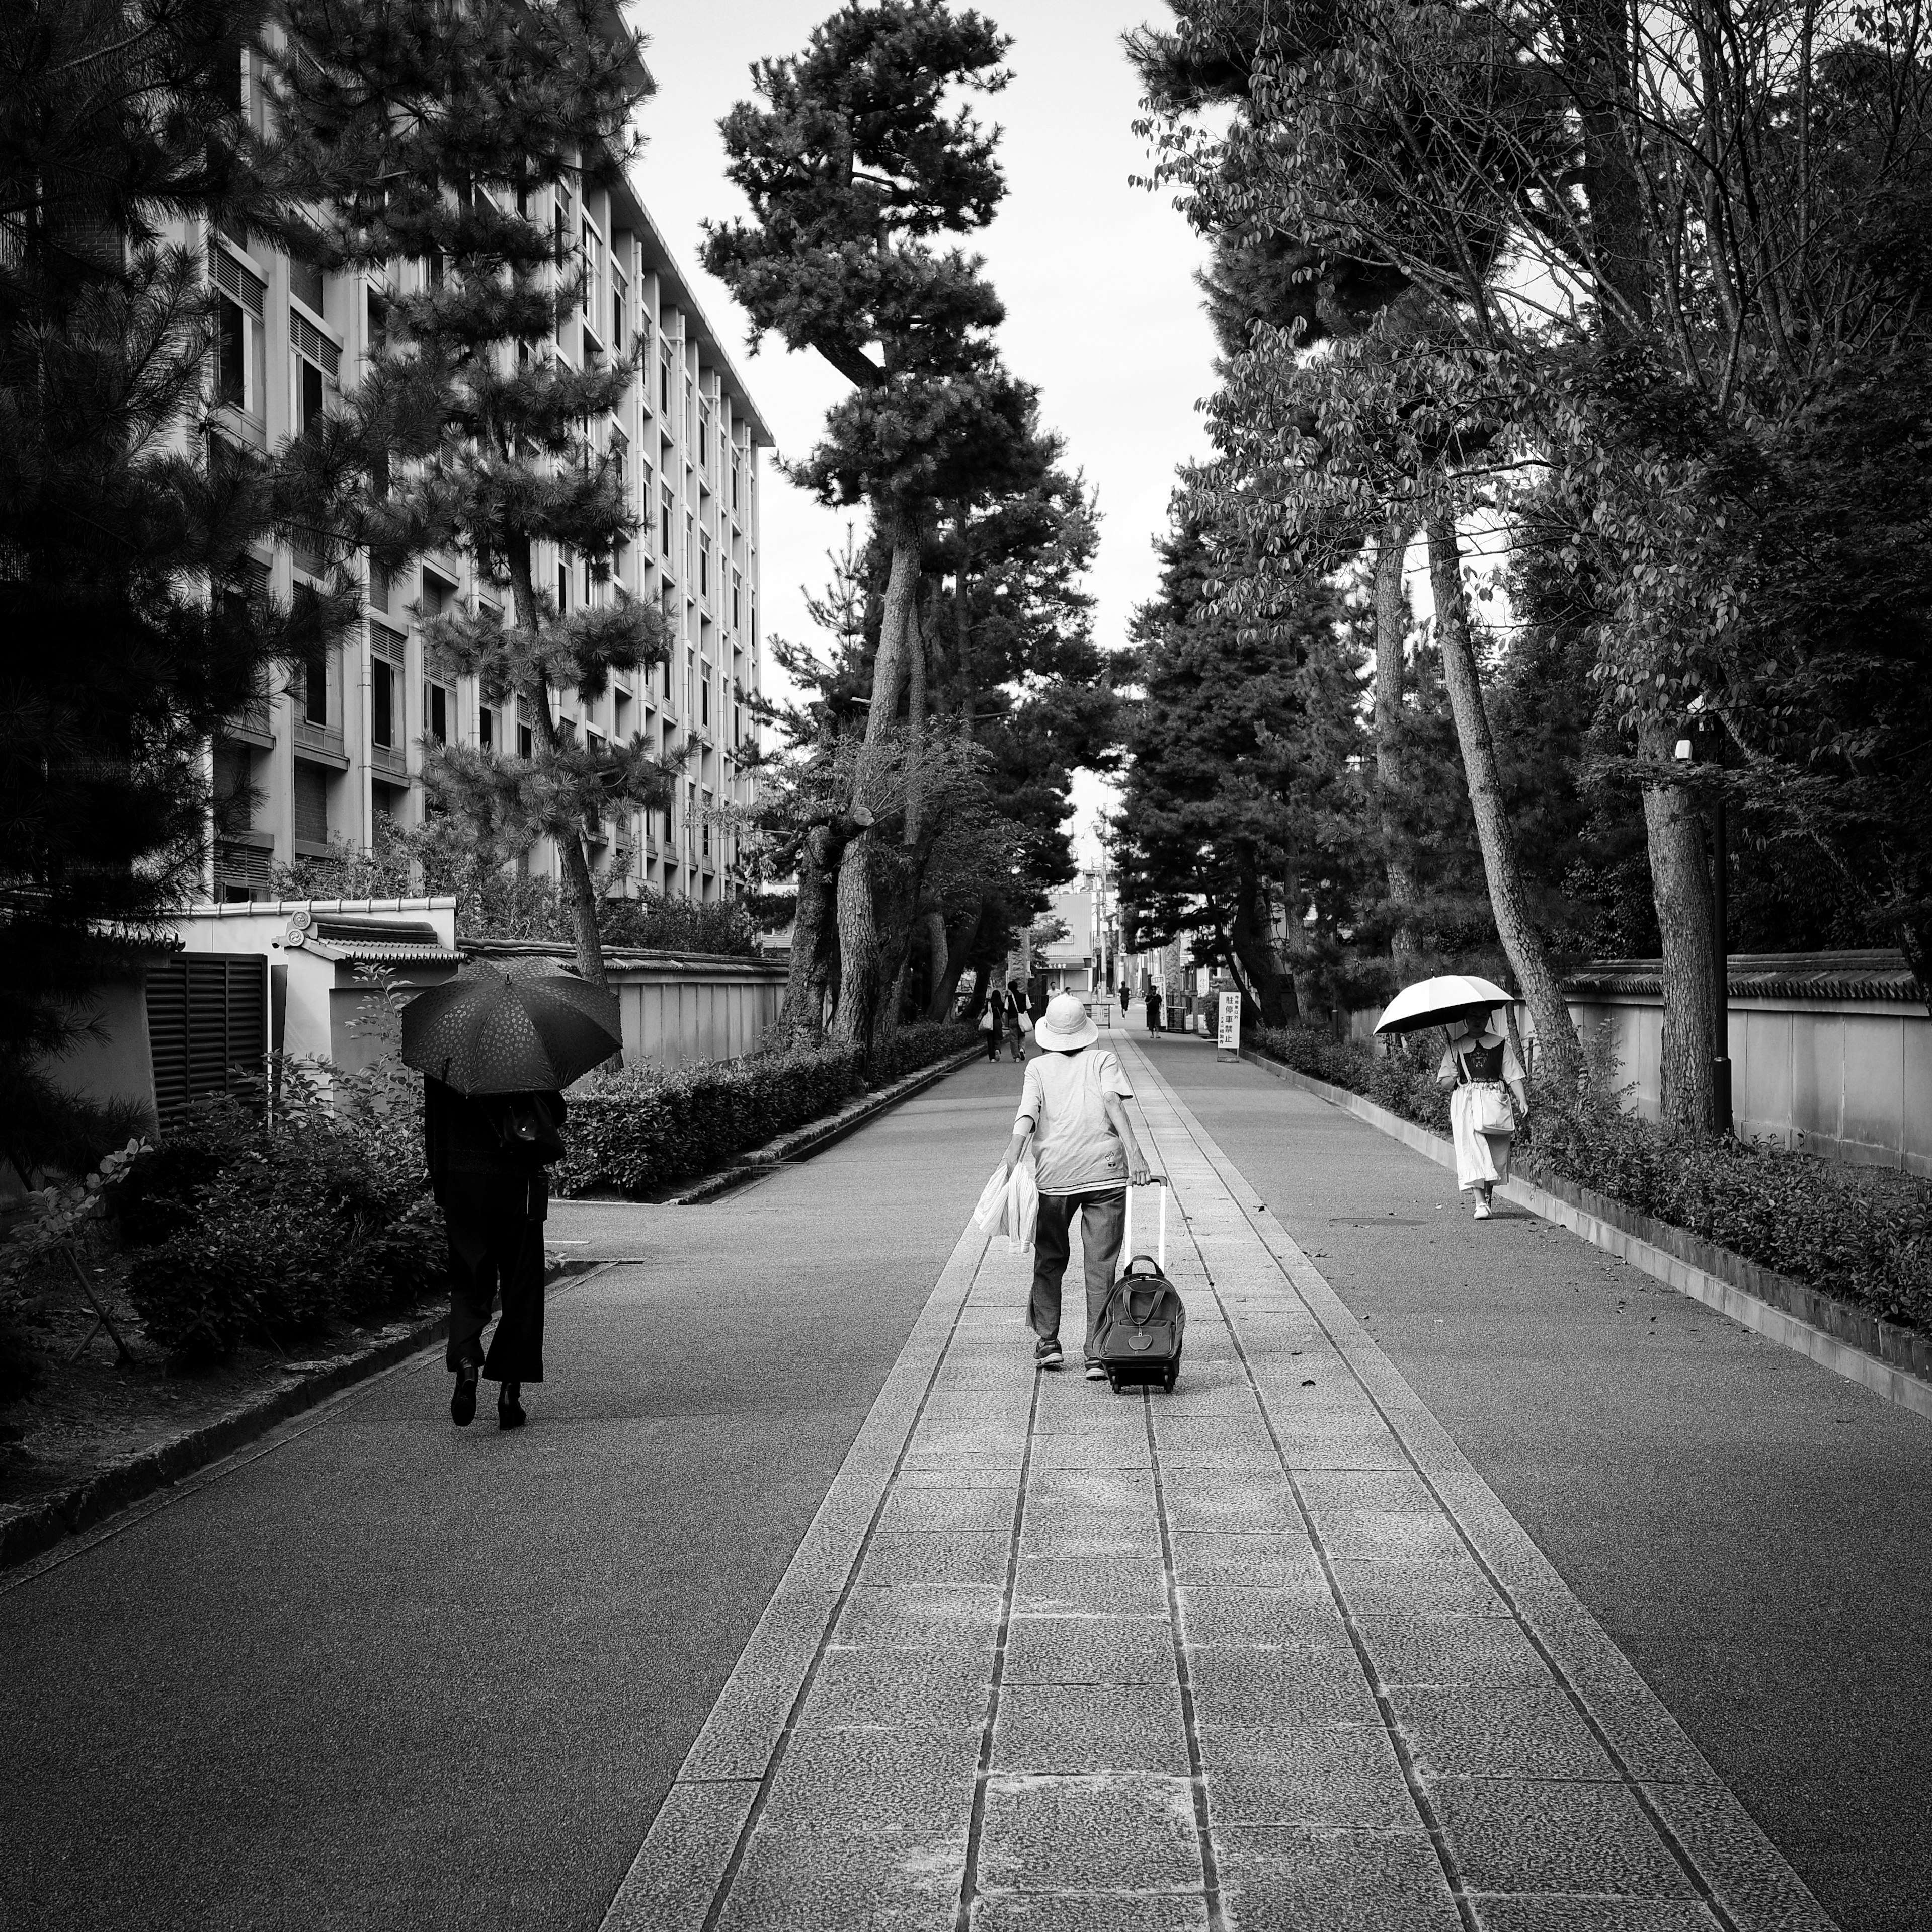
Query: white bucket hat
[(1065, 1025)]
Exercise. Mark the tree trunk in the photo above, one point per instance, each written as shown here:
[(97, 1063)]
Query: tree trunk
[(859, 979), (937, 956), (1680, 884), (801, 1020), (1267, 992), (915, 657), (1392, 614), (957, 948), (858, 946), (1501, 868), (579, 889)]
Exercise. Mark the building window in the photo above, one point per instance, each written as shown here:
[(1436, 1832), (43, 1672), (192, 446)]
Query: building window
[(382, 703), (436, 711), (704, 696), (315, 685), (562, 588), (239, 340), (737, 588), (318, 366), (704, 441), (618, 301), (664, 378), (311, 802), (734, 485), (664, 526), (526, 742), (486, 728), (305, 283), (704, 563)]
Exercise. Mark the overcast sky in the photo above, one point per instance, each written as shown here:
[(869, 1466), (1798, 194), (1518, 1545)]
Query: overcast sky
[(1097, 276)]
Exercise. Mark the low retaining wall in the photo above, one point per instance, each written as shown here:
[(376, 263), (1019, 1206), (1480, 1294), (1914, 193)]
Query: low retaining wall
[(1892, 1362)]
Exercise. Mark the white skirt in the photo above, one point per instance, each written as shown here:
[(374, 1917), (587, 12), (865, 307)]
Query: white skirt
[(1480, 1158)]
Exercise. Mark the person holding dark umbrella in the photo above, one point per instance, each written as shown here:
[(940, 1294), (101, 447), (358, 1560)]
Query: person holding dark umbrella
[(495, 1053)]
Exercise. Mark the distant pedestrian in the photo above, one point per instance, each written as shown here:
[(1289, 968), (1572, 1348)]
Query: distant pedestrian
[(990, 1026), (1153, 1008), (1482, 1068), (1019, 1022), (1073, 1108), (487, 1155)]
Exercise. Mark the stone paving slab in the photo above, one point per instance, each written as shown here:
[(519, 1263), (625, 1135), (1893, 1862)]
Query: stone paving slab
[(1266, 1652)]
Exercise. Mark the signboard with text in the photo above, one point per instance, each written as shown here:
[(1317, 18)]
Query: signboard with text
[(1229, 1040)]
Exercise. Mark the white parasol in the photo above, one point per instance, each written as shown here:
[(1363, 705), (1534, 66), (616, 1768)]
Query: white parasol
[(1441, 1001)]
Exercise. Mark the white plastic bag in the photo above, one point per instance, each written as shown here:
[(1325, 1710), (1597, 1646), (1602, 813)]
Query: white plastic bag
[(1022, 1206), (991, 1210), (1008, 1204)]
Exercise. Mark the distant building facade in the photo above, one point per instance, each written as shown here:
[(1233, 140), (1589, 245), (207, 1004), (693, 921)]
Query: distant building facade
[(340, 743)]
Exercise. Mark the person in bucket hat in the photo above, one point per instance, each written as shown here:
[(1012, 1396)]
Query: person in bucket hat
[(1073, 1108)]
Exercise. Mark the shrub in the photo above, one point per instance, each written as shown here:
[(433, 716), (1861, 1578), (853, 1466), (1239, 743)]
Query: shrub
[(1403, 1080), (281, 1219), (642, 1127), (1861, 1233)]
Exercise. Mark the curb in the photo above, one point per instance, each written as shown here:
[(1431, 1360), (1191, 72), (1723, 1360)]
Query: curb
[(803, 1142), (52, 1520), (1836, 1335)]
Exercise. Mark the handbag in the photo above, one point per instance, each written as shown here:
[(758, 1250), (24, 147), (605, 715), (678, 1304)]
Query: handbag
[(1491, 1107), (1023, 1020), (986, 1019)]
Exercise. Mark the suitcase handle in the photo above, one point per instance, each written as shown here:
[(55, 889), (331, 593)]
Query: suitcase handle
[(1153, 1267), (1127, 1232)]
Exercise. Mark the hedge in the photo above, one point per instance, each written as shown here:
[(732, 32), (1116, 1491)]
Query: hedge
[(640, 1128), (1863, 1234)]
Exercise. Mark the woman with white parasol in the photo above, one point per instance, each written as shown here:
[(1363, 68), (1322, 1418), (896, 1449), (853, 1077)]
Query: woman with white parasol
[(1480, 1066)]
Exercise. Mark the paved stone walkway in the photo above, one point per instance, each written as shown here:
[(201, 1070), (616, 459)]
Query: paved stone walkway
[(1264, 1653)]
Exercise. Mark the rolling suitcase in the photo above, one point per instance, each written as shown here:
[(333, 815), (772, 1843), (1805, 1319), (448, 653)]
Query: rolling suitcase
[(1144, 1322)]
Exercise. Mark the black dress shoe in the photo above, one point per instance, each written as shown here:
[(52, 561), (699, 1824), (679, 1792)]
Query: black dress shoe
[(463, 1403), (509, 1411)]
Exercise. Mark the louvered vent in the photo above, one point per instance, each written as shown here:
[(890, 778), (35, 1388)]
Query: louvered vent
[(247, 287), (207, 1026), (315, 345)]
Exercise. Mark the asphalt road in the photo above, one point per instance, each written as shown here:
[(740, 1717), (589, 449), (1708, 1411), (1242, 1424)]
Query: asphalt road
[(391, 1674), (1753, 1531)]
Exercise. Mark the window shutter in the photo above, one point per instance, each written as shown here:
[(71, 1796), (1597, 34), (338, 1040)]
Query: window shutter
[(207, 1020)]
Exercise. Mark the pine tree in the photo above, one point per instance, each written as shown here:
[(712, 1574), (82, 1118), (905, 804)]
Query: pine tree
[(132, 617), (853, 170), (1238, 811), (455, 139)]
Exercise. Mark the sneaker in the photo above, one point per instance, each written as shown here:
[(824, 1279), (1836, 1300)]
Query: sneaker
[(1095, 1372), (1482, 1210), (1046, 1353)]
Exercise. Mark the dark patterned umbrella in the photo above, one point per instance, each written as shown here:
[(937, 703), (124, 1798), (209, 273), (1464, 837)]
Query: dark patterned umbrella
[(485, 1033)]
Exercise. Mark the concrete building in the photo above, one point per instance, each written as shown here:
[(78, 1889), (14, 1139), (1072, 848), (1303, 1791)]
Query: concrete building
[(338, 744), (1087, 960)]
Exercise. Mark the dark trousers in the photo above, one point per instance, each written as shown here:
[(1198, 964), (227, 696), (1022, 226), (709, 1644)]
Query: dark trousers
[(1103, 1219), (495, 1246), (993, 1042)]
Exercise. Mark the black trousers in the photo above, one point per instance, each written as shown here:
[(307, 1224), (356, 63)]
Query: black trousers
[(495, 1246)]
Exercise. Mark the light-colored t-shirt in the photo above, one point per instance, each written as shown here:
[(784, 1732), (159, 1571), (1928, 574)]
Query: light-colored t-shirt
[(1075, 1147)]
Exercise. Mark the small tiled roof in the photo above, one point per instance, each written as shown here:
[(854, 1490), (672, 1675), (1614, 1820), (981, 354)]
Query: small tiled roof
[(370, 941), (1872, 973)]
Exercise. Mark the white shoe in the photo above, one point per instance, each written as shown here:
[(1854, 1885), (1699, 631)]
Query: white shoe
[(1482, 1210)]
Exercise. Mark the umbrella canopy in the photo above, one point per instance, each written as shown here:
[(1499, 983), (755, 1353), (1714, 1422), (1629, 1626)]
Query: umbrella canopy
[(1440, 1002), (484, 1033)]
